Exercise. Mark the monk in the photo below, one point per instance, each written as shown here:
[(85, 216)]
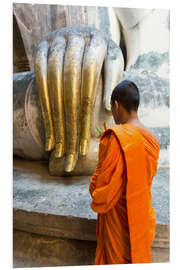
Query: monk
[(121, 185)]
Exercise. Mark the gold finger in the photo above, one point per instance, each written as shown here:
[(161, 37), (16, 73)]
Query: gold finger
[(42, 86), (72, 83), (55, 86), (92, 65)]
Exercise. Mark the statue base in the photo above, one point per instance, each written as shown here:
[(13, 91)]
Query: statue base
[(54, 224)]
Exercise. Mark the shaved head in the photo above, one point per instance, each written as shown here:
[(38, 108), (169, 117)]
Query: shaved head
[(127, 94)]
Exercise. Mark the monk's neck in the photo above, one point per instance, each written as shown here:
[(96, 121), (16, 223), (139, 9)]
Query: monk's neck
[(130, 118)]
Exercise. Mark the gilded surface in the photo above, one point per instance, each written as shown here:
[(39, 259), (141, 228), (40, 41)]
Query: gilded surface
[(68, 66)]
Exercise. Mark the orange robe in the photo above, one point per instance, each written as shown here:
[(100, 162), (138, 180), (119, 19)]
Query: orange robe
[(121, 195)]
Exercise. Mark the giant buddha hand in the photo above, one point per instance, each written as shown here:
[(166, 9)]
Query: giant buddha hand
[(76, 69)]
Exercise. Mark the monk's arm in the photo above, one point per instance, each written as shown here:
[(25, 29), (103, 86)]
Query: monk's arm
[(92, 184), (109, 181), (102, 148)]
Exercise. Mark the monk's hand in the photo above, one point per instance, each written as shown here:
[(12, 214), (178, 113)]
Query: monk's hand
[(68, 65)]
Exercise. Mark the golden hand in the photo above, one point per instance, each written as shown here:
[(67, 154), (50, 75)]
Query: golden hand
[(68, 65)]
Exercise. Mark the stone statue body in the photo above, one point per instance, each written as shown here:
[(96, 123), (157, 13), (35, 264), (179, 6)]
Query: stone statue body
[(121, 25), (90, 95)]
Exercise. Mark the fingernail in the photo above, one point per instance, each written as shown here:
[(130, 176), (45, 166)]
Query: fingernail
[(70, 162), (84, 147), (49, 144), (58, 150)]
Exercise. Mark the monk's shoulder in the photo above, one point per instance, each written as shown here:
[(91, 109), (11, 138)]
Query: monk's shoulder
[(148, 133), (108, 136), (108, 141)]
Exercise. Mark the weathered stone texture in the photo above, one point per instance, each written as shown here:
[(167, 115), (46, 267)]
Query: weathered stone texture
[(52, 227), (32, 250)]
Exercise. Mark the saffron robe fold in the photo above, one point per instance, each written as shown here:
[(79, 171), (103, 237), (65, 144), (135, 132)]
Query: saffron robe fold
[(121, 195)]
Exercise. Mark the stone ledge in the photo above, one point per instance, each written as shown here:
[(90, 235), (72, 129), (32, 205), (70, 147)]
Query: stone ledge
[(71, 227), (60, 206), (55, 225), (34, 190), (33, 250)]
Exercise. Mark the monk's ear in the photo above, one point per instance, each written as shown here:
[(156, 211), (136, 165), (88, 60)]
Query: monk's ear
[(117, 106)]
